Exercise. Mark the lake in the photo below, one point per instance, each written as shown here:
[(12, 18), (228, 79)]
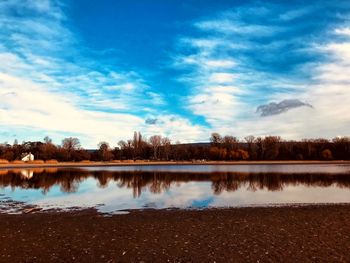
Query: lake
[(116, 189)]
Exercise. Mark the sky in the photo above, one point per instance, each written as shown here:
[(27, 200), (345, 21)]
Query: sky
[(100, 70)]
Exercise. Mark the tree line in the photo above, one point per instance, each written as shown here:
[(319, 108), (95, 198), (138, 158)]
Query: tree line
[(156, 147)]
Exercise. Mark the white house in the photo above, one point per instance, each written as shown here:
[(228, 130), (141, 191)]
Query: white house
[(28, 157)]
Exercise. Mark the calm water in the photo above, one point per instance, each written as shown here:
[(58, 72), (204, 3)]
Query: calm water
[(112, 189)]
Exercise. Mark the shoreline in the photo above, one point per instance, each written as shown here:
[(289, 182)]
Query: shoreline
[(160, 163), (315, 233)]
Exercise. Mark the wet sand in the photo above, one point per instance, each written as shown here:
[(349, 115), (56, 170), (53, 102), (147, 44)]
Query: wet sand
[(318, 233), (148, 162)]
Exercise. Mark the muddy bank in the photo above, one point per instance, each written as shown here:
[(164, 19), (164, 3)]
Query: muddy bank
[(288, 234)]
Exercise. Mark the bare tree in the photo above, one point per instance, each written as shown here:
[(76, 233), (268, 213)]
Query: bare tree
[(249, 139), (71, 144), (251, 146), (272, 147), (260, 148), (230, 142), (47, 150), (215, 139), (47, 139), (137, 144), (104, 151), (155, 141), (125, 149), (166, 143)]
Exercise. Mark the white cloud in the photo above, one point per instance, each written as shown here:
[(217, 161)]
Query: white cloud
[(343, 31), (296, 13), (329, 93), (341, 51), (219, 108), (221, 78), (177, 128), (156, 99), (226, 97), (220, 63), (38, 80), (201, 43), (43, 92), (29, 104), (227, 26)]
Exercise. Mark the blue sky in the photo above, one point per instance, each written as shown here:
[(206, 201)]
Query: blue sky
[(99, 70)]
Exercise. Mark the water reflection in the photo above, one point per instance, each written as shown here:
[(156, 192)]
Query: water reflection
[(156, 182), (112, 190)]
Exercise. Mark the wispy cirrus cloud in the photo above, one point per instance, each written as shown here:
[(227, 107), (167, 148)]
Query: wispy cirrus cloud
[(226, 63), (272, 59), (39, 45), (229, 27), (48, 83)]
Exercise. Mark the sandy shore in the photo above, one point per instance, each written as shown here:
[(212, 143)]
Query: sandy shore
[(142, 163), (280, 234)]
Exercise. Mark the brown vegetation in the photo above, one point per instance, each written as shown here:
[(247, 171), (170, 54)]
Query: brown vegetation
[(158, 148), (51, 161), (36, 162), (17, 162)]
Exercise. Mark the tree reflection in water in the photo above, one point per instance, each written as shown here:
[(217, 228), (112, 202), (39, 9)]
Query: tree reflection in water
[(69, 180)]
